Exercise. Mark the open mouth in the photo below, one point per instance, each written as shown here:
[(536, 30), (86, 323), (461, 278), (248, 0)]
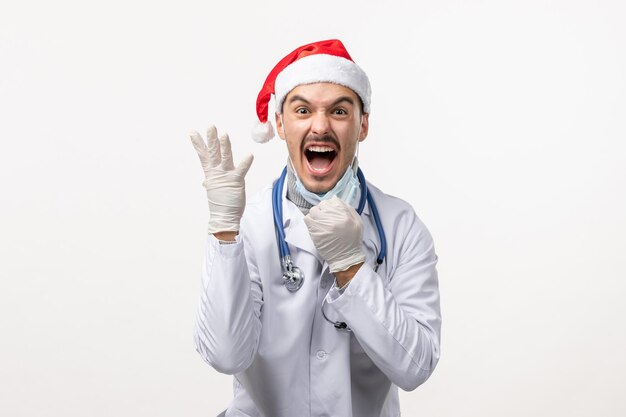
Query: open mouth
[(320, 158)]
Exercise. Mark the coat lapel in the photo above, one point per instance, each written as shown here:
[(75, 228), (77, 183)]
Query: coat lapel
[(370, 237), (296, 232)]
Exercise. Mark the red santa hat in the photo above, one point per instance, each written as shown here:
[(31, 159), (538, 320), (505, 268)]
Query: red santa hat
[(324, 61)]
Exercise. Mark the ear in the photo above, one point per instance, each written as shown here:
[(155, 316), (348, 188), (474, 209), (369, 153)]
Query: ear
[(365, 124), (279, 125)]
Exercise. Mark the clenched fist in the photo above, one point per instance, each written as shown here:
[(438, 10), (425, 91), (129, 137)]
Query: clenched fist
[(337, 232)]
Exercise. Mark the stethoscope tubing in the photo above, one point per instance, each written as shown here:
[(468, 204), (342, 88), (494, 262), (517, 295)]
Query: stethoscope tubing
[(292, 275), (379, 226), (277, 195)]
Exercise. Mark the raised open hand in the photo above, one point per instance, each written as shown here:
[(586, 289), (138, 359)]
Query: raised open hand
[(224, 183)]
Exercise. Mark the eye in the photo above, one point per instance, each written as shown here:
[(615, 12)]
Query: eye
[(302, 110), (340, 111)]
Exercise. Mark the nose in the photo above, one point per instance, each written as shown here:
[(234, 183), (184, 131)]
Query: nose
[(320, 124)]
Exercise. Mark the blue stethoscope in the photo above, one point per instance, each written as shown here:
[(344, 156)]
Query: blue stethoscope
[(293, 277)]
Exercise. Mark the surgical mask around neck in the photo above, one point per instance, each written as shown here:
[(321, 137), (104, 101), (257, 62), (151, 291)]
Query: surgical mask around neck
[(346, 189)]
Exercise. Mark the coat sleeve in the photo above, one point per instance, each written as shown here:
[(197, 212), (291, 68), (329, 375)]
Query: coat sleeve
[(227, 325), (397, 323)]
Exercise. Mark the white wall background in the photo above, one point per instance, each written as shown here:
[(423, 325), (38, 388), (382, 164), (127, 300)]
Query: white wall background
[(502, 122)]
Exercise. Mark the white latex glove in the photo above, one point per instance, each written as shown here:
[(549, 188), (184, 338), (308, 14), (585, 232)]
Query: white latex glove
[(337, 232), (225, 186)]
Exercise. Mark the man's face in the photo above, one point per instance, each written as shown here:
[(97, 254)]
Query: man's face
[(322, 124)]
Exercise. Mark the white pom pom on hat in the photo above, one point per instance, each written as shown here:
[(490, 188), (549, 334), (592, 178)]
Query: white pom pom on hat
[(262, 132), (324, 61)]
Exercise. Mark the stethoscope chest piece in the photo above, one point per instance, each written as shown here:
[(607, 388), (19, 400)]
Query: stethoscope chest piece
[(293, 277)]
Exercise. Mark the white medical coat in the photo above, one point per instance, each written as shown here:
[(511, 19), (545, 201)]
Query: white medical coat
[(287, 360)]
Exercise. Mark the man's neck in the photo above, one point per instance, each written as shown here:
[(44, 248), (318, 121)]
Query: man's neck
[(293, 195)]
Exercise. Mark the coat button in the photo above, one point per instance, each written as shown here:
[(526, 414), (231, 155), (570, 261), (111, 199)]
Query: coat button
[(321, 355)]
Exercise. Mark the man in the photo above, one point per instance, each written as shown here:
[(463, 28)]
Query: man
[(365, 318)]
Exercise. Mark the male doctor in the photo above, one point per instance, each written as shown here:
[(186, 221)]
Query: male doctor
[(345, 328)]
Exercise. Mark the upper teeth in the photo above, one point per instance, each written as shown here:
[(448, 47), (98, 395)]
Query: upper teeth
[(320, 149)]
